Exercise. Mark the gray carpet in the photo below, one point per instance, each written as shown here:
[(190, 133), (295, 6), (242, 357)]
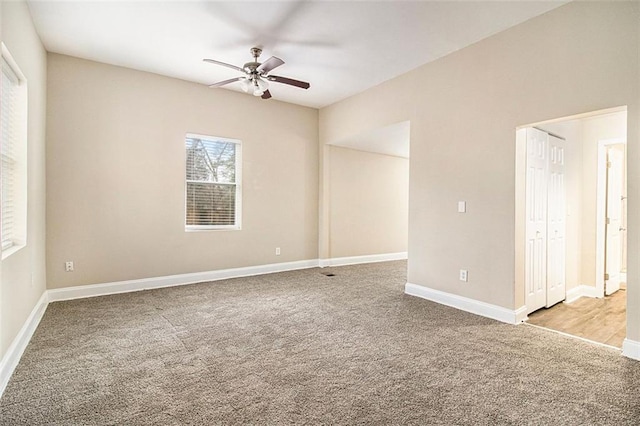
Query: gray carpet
[(303, 348)]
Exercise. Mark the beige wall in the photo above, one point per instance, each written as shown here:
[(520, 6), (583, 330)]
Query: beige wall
[(22, 275), (464, 109), (115, 173), (369, 203)]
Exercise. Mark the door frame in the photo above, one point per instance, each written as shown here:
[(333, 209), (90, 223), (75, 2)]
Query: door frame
[(601, 199)]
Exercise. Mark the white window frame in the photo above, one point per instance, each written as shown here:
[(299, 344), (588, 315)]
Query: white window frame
[(19, 157), (238, 184)]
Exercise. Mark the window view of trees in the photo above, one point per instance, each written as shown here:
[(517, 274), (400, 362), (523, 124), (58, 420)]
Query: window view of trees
[(211, 182)]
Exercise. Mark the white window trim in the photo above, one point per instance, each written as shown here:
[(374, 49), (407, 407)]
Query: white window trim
[(20, 196), (238, 184)]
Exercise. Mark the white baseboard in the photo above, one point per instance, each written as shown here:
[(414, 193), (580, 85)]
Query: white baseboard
[(631, 349), (103, 289), (10, 360), (521, 314), (80, 292), (580, 291), (354, 260), (465, 304)]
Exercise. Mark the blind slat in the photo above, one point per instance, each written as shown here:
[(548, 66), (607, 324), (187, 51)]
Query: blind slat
[(7, 152)]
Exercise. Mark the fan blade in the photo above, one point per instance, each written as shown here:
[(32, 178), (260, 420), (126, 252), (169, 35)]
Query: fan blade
[(269, 64), (289, 81), (222, 83), (224, 64), (266, 95)]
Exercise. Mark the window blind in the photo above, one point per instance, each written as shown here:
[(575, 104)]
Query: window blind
[(211, 187), (8, 119)]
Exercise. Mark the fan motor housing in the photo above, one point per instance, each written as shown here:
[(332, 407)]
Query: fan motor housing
[(250, 67)]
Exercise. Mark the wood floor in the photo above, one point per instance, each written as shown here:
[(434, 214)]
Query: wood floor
[(600, 320)]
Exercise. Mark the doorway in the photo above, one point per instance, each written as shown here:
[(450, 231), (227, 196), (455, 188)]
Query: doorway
[(611, 224), (587, 208), (367, 177)]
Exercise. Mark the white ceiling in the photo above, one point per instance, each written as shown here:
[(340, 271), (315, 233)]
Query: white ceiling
[(340, 47)]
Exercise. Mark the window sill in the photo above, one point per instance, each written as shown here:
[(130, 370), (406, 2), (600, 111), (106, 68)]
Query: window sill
[(11, 250), (212, 228)]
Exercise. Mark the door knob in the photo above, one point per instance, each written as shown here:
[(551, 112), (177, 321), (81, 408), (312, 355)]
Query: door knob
[(622, 229)]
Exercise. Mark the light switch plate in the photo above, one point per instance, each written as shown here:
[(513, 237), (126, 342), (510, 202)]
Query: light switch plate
[(462, 206)]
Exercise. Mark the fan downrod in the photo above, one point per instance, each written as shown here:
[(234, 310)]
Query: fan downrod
[(250, 67)]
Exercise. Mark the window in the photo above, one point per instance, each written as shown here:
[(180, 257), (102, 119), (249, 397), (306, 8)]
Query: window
[(212, 183), (13, 146)]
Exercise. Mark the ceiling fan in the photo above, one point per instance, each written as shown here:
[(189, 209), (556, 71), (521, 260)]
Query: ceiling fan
[(256, 76)]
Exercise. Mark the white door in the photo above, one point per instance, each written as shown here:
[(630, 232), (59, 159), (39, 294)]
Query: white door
[(536, 224), (613, 227), (556, 226)]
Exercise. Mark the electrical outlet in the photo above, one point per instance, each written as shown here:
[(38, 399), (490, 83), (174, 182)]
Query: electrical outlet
[(464, 275), (68, 266), (277, 251)]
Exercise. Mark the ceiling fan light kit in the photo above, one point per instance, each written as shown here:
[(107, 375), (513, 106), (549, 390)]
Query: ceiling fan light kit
[(255, 87), (256, 78)]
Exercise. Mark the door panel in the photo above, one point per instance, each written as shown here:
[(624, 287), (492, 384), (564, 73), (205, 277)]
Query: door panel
[(536, 225), (556, 223)]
